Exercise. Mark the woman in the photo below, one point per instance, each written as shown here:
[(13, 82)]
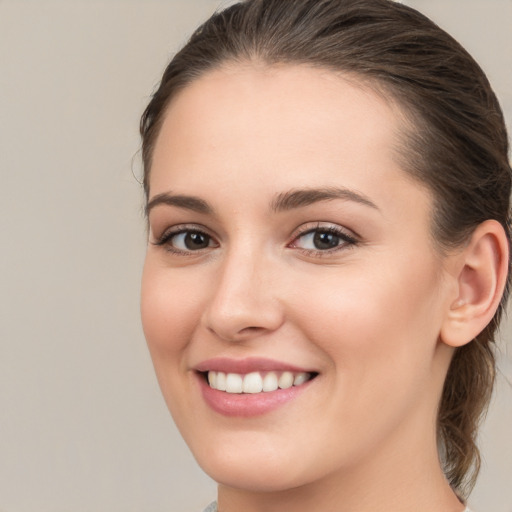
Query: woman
[(327, 190)]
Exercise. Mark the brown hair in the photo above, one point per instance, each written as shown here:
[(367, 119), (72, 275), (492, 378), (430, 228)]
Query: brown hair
[(456, 143)]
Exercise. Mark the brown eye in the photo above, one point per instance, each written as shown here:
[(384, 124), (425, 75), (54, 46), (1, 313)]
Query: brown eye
[(180, 240), (190, 241), (323, 239), (195, 241)]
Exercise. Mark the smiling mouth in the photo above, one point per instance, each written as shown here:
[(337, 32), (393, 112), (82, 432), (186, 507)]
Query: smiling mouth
[(256, 382)]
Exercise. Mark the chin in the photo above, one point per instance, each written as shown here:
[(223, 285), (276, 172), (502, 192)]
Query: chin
[(256, 473), (256, 479)]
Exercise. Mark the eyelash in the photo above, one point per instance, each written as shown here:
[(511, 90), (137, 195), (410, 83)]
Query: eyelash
[(165, 239), (346, 240)]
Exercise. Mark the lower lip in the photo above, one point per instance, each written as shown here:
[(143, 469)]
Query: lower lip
[(248, 404)]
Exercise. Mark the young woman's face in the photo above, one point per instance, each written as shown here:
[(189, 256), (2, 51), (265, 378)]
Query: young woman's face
[(285, 245)]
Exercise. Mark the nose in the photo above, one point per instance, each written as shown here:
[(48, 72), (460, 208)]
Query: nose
[(244, 304)]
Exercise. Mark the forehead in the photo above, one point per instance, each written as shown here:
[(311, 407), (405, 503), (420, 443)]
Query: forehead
[(292, 126), (259, 100)]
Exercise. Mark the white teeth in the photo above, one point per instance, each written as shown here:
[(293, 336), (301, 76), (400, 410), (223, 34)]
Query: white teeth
[(286, 380), (300, 378), (270, 382), (234, 383), (254, 382), (220, 381)]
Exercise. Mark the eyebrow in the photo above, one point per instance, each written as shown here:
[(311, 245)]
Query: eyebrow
[(304, 197), (187, 202), (283, 202)]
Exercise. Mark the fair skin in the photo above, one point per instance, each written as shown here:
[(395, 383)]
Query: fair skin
[(344, 285)]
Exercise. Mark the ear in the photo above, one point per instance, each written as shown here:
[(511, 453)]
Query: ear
[(480, 277)]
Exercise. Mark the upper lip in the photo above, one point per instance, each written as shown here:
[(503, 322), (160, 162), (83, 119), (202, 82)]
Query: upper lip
[(247, 365)]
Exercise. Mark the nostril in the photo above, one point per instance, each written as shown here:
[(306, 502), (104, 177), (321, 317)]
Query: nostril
[(251, 329), (237, 335)]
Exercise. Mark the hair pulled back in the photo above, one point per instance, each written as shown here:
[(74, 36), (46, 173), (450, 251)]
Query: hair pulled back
[(455, 141)]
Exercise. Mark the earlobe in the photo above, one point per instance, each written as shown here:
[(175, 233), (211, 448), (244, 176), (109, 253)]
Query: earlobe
[(480, 280)]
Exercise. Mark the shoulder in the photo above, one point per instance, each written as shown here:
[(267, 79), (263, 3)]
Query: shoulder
[(212, 507)]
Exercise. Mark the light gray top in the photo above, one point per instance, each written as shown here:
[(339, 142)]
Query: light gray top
[(212, 507)]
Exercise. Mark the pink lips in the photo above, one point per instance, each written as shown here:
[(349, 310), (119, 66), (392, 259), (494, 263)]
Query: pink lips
[(247, 405)]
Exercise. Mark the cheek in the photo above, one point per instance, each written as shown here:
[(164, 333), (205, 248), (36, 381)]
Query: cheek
[(390, 315), (169, 318), (380, 335), (167, 310)]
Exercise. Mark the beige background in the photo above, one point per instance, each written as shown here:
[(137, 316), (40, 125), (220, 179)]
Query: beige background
[(82, 423)]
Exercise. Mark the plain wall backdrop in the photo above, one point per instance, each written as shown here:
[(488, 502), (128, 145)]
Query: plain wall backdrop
[(82, 424)]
